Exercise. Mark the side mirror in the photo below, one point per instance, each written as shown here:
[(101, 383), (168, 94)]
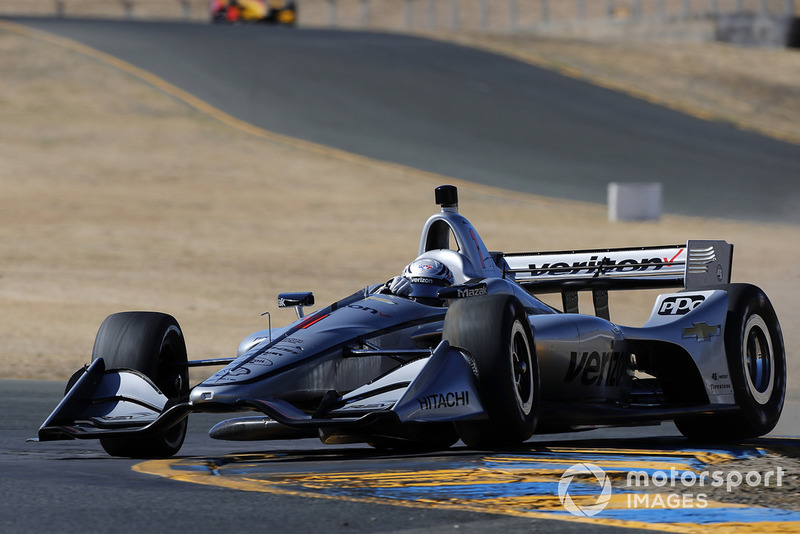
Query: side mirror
[(296, 301)]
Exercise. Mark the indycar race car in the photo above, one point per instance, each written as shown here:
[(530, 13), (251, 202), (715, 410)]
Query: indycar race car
[(458, 347), (282, 12)]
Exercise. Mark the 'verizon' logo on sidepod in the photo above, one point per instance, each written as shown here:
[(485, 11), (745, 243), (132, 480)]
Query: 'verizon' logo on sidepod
[(584, 509)]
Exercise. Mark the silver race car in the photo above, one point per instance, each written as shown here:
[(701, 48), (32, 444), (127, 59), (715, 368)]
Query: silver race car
[(458, 346)]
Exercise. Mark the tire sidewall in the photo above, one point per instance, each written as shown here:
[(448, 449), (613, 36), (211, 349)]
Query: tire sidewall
[(745, 303), (502, 377), (485, 328), (151, 343)]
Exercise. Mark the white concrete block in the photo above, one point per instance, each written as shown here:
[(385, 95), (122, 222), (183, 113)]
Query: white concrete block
[(634, 201)]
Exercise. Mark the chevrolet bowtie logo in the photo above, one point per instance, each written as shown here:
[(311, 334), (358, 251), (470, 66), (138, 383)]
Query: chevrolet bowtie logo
[(701, 331)]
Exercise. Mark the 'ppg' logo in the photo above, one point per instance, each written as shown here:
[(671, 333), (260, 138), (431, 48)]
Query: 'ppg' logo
[(680, 305)]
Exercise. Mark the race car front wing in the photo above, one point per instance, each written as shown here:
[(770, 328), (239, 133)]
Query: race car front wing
[(122, 402)]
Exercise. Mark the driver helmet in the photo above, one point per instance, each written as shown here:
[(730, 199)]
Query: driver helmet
[(427, 276)]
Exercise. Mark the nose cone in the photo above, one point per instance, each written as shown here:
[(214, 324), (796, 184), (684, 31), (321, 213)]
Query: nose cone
[(214, 395), (201, 396)]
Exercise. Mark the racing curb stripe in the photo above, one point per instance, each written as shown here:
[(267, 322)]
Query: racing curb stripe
[(528, 505), (543, 63), (243, 126), (165, 469)]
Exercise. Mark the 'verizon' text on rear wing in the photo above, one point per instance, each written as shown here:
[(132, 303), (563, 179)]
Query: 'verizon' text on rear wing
[(699, 263)]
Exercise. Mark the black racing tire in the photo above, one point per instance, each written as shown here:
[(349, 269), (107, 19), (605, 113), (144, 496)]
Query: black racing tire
[(73, 379), (757, 366), (151, 343), (495, 332)]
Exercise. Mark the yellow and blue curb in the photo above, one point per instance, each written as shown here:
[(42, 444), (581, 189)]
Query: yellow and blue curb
[(522, 483)]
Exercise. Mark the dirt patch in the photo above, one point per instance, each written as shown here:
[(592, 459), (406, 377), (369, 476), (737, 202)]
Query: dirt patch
[(117, 197)]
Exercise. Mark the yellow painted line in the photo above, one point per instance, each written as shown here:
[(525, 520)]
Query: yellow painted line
[(707, 457), (504, 506), (250, 129), (164, 468), (409, 172), (408, 488), (177, 93)]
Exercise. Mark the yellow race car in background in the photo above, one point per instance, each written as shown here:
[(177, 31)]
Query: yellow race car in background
[(271, 12)]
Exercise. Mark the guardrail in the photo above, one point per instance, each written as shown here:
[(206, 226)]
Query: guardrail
[(116, 9), (526, 15), (503, 16)]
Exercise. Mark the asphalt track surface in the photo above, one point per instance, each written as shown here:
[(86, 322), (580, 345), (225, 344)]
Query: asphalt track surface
[(74, 486), (460, 112)]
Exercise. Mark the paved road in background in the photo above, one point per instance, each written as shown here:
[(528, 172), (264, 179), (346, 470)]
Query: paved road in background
[(460, 112)]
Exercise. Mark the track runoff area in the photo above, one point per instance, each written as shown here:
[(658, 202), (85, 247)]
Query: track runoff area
[(644, 485)]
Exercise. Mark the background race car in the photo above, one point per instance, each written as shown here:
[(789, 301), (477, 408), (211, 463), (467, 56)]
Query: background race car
[(272, 12)]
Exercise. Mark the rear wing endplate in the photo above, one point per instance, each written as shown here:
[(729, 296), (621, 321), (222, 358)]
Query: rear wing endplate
[(698, 263)]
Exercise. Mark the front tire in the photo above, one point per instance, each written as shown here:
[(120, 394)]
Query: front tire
[(151, 343), (495, 332), (757, 366)]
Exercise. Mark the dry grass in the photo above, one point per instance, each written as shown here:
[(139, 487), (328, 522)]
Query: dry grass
[(115, 196)]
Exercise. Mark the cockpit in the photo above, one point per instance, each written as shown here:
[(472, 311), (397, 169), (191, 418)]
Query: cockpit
[(451, 239)]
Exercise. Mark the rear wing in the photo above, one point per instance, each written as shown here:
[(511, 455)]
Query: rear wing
[(699, 263)]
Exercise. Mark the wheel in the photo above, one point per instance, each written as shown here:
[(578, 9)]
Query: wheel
[(153, 344), (495, 332), (757, 366), (288, 15)]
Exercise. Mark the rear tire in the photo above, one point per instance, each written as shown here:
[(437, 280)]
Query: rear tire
[(151, 343), (757, 366), (495, 332)]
